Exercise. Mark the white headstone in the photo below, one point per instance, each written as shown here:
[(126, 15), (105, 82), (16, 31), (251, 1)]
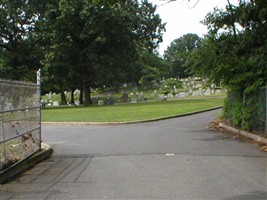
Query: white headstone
[(77, 103), (195, 93), (207, 92), (170, 95), (77, 92), (55, 103), (50, 94), (190, 91), (100, 102), (182, 94)]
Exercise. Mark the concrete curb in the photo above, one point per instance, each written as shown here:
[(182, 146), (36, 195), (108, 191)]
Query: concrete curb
[(122, 123), (29, 162), (244, 133)]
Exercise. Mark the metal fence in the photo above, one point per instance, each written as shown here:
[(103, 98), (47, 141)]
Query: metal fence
[(255, 103), (20, 121), (259, 116)]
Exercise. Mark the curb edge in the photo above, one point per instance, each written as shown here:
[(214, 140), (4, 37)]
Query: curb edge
[(128, 122), (244, 133)]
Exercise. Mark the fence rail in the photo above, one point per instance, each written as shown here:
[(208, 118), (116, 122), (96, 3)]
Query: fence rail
[(20, 121)]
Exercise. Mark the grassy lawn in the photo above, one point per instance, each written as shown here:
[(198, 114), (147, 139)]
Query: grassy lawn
[(129, 112)]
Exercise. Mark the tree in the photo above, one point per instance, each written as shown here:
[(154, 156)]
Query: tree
[(234, 53), (98, 40), (61, 47), (150, 67), (234, 48), (178, 52), (18, 39), (171, 85)]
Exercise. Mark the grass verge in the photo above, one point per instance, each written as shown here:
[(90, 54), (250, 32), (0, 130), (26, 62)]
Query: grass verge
[(129, 112)]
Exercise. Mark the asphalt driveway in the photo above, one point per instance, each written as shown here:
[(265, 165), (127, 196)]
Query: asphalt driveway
[(177, 158)]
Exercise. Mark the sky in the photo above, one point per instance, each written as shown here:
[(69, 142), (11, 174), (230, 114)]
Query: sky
[(183, 16)]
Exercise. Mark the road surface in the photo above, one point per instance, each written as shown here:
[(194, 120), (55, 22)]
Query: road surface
[(177, 158)]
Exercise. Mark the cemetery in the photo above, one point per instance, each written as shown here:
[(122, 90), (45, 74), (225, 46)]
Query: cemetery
[(127, 93), (171, 97)]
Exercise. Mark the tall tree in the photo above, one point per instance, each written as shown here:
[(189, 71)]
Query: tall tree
[(101, 39), (235, 47), (153, 67), (178, 52), (18, 38), (234, 53)]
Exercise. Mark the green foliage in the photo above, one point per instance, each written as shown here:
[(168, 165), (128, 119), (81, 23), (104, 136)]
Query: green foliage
[(247, 111), (150, 74), (80, 44), (150, 67), (178, 53), (234, 53), (171, 85), (96, 43), (233, 110), (19, 41)]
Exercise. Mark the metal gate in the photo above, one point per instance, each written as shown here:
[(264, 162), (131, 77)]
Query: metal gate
[(20, 121)]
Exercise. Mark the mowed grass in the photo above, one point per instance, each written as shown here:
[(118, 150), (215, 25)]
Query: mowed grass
[(129, 112)]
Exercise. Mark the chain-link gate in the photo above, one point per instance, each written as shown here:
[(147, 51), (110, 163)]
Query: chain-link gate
[(20, 121)]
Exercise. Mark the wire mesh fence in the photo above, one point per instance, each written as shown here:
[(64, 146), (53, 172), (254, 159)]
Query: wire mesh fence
[(20, 123), (259, 113), (249, 110)]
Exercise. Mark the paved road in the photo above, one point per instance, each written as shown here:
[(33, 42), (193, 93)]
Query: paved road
[(171, 159)]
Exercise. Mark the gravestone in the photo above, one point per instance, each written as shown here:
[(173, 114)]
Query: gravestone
[(200, 91), (199, 85), (50, 102), (218, 91), (77, 92), (190, 92), (142, 98), (182, 94), (124, 97), (134, 89), (134, 100), (77, 102), (55, 103), (110, 100), (162, 97), (170, 95), (100, 102), (50, 95), (195, 93), (94, 100), (154, 93), (207, 92)]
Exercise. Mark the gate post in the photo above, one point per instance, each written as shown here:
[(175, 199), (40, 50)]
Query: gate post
[(39, 104)]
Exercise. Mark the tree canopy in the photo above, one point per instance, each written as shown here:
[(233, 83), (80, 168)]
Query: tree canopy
[(234, 49), (18, 42), (234, 53), (80, 44), (179, 51)]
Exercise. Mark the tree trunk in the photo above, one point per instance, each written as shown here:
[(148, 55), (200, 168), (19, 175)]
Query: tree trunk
[(62, 95), (87, 95), (72, 96), (81, 96)]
